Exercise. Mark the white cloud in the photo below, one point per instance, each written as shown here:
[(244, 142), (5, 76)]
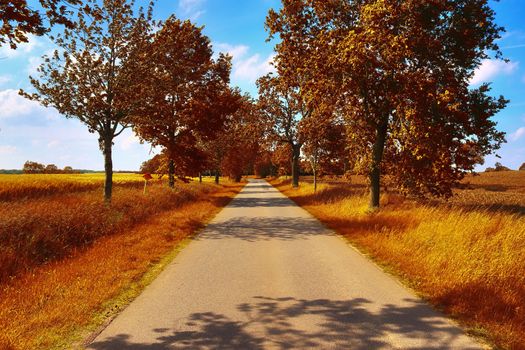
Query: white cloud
[(191, 8), (253, 67), (246, 67), (7, 150), (12, 105), (491, 68), (128, 141), (53, 144), (4, 79), (516, 135), (22, 49), (236, 51)]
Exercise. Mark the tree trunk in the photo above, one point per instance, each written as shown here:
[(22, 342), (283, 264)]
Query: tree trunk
[(200, 178), (108, 168), (296, 152), (315, 180), (375, 171), (171, 173), (217, 176)]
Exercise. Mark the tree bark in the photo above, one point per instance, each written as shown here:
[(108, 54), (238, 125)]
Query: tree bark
[(375, 171), (217, 176), (171, 173), (200, 177), (108, 168), (296, 152), (315, 180)]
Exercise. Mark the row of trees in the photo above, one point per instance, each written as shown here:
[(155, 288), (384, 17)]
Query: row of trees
[(38, 168), (394, 76), (372, 86), (116, 68)]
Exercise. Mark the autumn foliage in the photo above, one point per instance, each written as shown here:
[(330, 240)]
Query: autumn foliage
[(398, 74)]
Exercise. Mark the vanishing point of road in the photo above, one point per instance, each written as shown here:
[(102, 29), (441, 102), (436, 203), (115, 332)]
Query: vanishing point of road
[(265, 274)]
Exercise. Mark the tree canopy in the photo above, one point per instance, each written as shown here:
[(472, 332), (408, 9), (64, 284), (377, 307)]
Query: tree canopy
[(19, 19), (398, 74)]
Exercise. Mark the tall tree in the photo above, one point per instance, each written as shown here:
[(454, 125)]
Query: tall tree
[(19, 19), (94, 75), (283, 105), (238, 143), (324, 144), (181, 88), (399, 73)]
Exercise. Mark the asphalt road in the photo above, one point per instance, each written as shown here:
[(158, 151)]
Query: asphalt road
[(266, 275)]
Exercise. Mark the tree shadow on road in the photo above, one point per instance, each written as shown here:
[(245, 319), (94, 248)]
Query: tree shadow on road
[(252, 202), (263, 229), (284, 323)]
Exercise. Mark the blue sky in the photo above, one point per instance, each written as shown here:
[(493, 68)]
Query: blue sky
[(31, 132)]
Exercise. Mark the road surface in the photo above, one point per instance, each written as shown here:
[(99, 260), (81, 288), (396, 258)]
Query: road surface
[(265, 274)]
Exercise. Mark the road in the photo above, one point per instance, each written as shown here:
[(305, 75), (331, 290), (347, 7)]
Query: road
[(265, 274)]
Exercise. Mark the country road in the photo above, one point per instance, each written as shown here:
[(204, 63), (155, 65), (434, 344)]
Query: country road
[(265, 274)]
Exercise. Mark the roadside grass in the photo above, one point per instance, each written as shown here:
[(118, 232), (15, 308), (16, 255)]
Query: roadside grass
[(466, 256), (51, 305), (40, 230)]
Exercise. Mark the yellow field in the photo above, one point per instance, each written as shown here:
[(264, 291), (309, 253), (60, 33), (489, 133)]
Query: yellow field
[(467, 255), (25, 186)]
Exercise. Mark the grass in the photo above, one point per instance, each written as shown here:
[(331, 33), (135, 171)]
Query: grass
[(104, 260), (466, 256), (30, 186), (38, 230)]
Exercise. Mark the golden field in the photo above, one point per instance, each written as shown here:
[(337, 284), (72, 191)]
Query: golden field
[(465, 255), (68, 261), (26, 186)]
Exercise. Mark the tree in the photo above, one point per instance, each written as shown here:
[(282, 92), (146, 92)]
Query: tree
[(19, 19), (94, 78), (284, 107), (398, 72), (240, 139), (33, 168), (280, 157), (68, 170), (500, 167), (324, 144), (51, 169), (155, 165), (180, 91)]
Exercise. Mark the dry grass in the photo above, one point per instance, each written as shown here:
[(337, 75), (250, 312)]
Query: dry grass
[(466, 256), (39, 230), (53, 303), (29, 186)]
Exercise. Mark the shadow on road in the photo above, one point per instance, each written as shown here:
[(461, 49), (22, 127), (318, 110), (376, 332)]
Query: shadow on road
[(251, 202), (263, 229), (276, 323)]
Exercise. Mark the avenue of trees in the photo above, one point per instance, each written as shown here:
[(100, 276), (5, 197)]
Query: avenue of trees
[(373, 87)]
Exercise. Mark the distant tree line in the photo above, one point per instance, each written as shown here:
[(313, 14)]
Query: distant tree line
[(38, 168)]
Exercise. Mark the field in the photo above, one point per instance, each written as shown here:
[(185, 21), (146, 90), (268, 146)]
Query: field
[(67, 260), (465, 255)]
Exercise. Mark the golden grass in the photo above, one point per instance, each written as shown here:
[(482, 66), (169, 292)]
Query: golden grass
[(39, 230), (52, 305), (467, 256), (28, 186)]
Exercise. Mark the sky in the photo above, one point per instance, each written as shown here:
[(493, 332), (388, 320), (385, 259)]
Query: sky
[(29, 131)]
